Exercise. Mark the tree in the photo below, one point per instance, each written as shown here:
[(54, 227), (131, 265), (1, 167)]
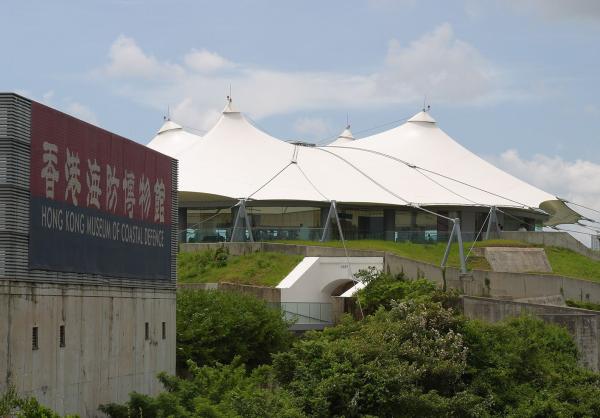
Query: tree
[(405, 361), (219, 391), (215, 326), (383, 288)]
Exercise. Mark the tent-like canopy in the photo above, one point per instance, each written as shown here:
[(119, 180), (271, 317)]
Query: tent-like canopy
[(415, 164), (422, 143), (345, 138), (172, 140)]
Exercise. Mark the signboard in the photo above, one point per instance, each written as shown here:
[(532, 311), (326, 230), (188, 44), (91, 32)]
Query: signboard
[(99, 203)]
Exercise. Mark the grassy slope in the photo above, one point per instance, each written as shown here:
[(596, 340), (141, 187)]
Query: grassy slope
[(564, 262), (269, 269), (430, 253), (265, 269)]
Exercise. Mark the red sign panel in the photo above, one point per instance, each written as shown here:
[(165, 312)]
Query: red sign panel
[(97, 197), (85, 166)]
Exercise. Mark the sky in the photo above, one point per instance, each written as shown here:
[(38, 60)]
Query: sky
[(515, 81)]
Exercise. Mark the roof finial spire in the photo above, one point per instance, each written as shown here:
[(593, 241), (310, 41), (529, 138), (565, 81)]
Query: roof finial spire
[(426, 107), (229, 98), (347, 120)]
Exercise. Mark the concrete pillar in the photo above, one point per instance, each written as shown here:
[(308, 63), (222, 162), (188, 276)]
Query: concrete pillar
[(181, 227), (389, 224)]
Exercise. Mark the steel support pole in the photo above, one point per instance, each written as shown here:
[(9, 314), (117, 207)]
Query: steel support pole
[(337, 220), (447, 252), (461, 249), (248, 225), (492, 220), (235, 223), (332, 210), (242, 213)]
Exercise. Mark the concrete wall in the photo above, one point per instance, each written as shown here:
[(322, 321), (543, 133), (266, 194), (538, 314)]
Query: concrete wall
[(106, 355), (583, 325), (551, 239)]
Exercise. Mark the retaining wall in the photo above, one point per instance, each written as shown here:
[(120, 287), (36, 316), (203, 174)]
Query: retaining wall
[(551, 239), (106, 354), (268, 294)]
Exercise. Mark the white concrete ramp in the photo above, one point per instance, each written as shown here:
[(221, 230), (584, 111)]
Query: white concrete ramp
[(316, 279), (306, 292)]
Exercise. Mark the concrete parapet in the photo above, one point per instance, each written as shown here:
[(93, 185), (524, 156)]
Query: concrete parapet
[(268, 294), (551, 239), (515, 260)]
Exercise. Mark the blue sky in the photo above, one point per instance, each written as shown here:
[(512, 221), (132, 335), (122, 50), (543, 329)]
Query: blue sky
[(516, 80)]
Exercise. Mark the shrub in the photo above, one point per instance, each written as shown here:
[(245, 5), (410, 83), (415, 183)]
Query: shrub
[(12, 405), (382, 289), (193, 264), (215, 326), (212, 391)]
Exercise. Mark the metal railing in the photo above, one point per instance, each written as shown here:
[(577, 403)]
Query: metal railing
[(225, 234), (306, 313)]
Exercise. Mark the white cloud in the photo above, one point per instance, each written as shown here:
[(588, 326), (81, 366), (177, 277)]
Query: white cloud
[(573, 180), (559, 9), (438, 65), (206, 61), (81, 111), (128, 60), (312, 128)]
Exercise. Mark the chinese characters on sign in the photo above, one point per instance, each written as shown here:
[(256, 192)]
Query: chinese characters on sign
[(94, 190)]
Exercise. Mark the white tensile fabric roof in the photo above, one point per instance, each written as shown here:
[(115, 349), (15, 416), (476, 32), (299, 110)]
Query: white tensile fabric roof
[(236, 160), (345, 138), (172, 140), (420, 142)]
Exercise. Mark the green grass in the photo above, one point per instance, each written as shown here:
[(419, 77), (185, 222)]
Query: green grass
[(268, 269), (429, 253), (263, 268), (564, 262), (583, 305), (571, 264)]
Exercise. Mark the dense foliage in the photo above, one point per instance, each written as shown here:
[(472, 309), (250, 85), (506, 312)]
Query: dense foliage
[(406, 361), (382, 289), (12, 405), (418, 359), (220, 391), (215, 326)]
